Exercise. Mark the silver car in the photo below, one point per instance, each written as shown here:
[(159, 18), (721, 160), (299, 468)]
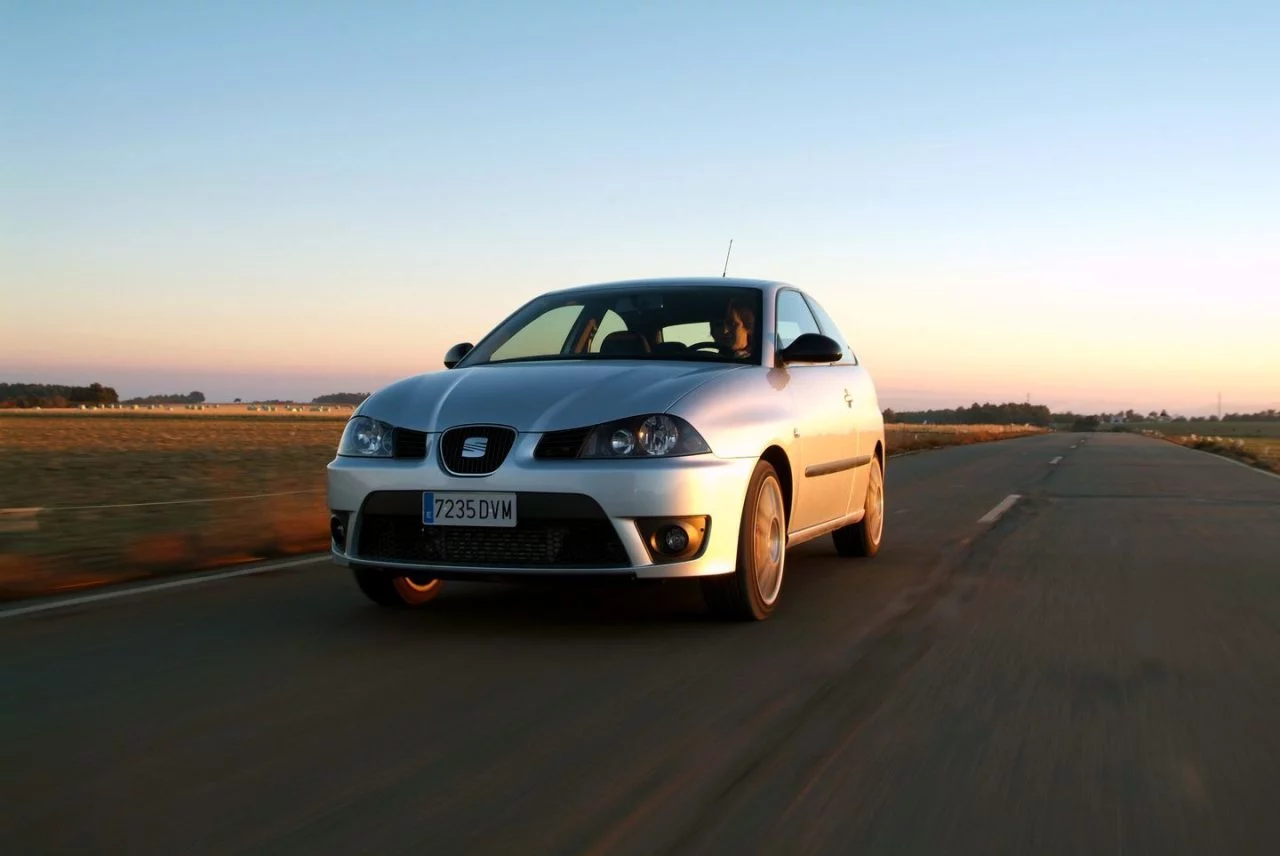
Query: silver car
[(646, 429)]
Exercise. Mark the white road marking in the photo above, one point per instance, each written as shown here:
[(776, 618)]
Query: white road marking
[(1056, 460), (996, 513), (147, 589)]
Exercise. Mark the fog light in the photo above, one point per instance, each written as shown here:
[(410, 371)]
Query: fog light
[(338, 530), (674, 540)]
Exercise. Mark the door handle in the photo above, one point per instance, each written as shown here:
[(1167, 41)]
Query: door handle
[(848, 398)]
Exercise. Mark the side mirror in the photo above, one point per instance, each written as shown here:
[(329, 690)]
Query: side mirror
[(811, 348), (456, 353)]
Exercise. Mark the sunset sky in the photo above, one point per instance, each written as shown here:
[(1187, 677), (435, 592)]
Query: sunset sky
[(1080, 203)]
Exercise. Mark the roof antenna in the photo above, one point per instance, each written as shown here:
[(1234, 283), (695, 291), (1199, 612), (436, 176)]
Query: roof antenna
[(726, 260)]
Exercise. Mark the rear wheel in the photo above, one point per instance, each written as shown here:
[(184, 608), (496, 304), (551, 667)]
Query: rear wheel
[(384, 589), (863, 538), (751, 592)]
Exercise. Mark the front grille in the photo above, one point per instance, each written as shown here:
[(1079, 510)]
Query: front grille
[(561, 444), (407, 443), (535, 543), (475, 450)]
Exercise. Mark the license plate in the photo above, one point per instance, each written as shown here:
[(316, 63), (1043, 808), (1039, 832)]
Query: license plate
[(468, 509)]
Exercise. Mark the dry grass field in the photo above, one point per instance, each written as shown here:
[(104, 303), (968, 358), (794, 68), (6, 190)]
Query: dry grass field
[(137, 494), (912, 438), (1265, 449), (1261, 452), (88, 497)]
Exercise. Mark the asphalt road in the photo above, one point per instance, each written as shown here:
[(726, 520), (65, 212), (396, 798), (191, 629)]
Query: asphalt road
[(1098, 671)]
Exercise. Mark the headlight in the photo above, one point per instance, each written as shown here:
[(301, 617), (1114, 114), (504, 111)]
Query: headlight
[(366, 438), (654, 436)]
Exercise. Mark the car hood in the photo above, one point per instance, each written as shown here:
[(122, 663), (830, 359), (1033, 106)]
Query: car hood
[(537, 396)]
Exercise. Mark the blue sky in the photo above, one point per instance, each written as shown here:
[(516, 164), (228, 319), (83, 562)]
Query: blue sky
[(1080, 201)]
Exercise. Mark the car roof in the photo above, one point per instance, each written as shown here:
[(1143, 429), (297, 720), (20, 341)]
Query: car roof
[(766, 285)]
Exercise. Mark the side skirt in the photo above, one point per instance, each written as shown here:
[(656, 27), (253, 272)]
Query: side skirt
[(795, 539)]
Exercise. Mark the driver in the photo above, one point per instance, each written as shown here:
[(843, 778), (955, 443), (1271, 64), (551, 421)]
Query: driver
[(733, 333)]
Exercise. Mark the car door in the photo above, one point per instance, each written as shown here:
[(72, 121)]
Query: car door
[(861, 402), (824, 426)]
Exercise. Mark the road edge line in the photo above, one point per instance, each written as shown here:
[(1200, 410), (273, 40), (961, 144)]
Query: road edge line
[(82, 600)]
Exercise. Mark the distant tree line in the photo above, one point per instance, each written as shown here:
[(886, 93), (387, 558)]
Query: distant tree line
[(1011, 413), (1260, 416), (55, 395), (1164, 416), (340, 398), (1078, 421), (195, 397), (1016, 413)]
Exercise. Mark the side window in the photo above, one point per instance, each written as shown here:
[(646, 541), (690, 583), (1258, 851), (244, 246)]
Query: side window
[(611, 323), (544, 336), (688, 334), (829, 328), (794, 318)]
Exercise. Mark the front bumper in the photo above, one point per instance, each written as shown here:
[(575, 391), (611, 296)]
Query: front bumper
[(575, 517)]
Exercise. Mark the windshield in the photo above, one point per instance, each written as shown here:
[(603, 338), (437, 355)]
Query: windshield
[(709, 323)]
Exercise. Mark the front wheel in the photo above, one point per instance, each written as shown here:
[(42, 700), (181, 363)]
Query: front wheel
[(751, 592), (385, 589), (863, 538)]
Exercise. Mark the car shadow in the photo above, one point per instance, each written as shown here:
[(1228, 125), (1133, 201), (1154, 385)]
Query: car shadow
[(600, 609), (545, 609)]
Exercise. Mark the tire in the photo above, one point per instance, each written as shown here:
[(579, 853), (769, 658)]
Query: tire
[(751, 592), (384, 589), (865, 537)]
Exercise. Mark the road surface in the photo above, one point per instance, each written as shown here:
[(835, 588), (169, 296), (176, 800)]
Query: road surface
[(1095, 671)]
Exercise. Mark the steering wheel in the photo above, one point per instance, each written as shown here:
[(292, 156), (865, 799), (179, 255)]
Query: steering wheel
[(702, 346)]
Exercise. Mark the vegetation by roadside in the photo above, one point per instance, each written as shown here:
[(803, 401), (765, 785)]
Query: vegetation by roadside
[(104, 497), (913, 438)]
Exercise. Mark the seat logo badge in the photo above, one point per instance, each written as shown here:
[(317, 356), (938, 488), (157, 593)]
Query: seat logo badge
[(474, 447)]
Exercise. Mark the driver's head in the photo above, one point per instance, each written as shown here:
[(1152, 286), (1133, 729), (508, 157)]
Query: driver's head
[(734, 331)]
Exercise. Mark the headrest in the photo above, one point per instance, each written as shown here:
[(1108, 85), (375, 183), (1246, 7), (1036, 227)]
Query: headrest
[(624, 342)]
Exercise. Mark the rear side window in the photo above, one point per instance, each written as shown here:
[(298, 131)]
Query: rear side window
[(688, 334)]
